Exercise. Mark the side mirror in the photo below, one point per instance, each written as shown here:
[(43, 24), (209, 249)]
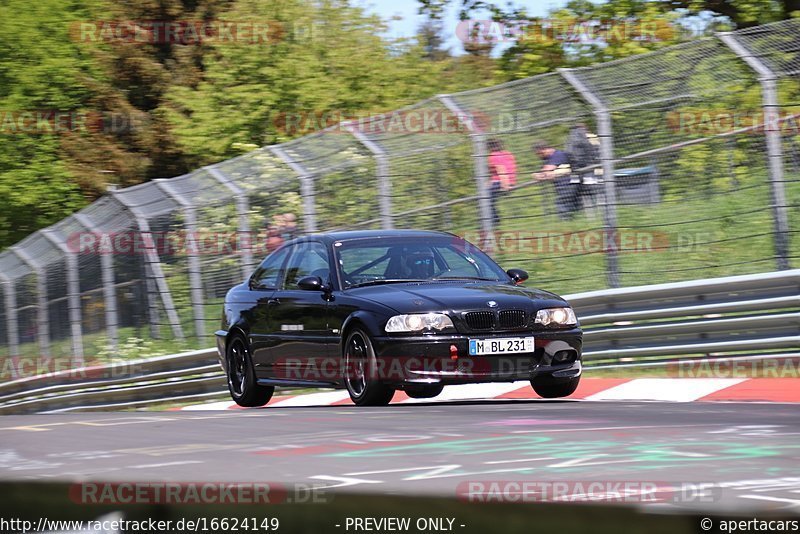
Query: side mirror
[(517, 275), (311, 283)]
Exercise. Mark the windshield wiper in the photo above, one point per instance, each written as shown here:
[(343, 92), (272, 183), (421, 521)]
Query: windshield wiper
[(466, 278), (383, 281)]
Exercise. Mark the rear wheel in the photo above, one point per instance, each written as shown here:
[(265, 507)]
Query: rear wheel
[(242, 383), (424, 392), (360, 372), (549, 389)]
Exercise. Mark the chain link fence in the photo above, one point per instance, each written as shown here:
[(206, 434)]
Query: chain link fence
[(697, 174)]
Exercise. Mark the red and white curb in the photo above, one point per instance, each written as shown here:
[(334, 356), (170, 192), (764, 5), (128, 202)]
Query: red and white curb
[(590, 389)]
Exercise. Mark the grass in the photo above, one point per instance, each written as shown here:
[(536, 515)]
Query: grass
[(133, 343)]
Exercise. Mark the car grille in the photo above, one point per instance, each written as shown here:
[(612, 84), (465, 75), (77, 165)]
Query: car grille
[(479, 320), (491, 320), (512, 318)]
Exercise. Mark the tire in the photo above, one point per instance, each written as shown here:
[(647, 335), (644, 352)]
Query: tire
[(242, 384), (424, 392), (548, 389), (360, 370)]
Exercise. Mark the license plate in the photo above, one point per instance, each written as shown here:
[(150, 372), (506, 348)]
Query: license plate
[(501, 345)]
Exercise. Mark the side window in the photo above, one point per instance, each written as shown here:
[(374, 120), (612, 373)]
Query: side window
[(307, 259), (269, 272)]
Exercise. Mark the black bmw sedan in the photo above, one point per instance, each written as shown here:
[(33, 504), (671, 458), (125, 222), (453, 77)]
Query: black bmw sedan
[(378, 311)]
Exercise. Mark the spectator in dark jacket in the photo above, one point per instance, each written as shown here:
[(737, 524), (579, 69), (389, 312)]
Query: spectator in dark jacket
[(556, 168), (583, 148)]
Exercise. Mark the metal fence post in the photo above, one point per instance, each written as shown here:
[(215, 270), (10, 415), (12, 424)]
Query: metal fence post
[(306, 189), (43, 326), (153, 264), (12, 325), (109, 292), (192, 254), (481, 167), (609, 201), (382, 172), (772, 131), (73, 295), (243, 212), (152, 292)]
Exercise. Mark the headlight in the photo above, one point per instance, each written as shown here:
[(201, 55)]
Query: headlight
[(418, 322), (556, 317)]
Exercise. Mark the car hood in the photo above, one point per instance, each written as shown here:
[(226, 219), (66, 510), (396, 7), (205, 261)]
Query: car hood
[(457, 296)]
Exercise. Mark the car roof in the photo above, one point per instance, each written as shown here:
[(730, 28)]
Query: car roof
[(349, 235)]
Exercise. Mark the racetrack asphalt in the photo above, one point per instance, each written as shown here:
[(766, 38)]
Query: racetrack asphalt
[(720, 456)]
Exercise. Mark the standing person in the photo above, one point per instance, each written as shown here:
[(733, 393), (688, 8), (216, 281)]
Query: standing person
[(502, 174), (556, 167), (583, 147), (274, 239), (289, 226)]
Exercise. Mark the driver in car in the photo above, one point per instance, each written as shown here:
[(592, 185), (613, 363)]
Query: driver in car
[(420, 264)]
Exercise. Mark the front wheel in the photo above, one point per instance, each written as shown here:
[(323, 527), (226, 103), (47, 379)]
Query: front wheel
[(360, 372), (548, 389), (242, 384)]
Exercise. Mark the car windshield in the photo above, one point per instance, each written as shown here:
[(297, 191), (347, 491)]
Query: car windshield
[(391, 260)]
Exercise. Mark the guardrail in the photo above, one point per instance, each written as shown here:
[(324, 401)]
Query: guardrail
[(184, 376), (701, 318), (758, 312)]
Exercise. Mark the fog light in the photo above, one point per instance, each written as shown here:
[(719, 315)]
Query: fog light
[(563, 356)]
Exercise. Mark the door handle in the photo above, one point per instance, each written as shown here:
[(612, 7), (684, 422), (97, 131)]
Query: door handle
[(273, 302)]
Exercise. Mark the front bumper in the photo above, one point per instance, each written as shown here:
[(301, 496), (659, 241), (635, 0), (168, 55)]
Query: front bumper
[(445, 359)]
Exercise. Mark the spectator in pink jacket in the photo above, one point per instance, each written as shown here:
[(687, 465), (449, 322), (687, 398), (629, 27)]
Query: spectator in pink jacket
[(502, 174)]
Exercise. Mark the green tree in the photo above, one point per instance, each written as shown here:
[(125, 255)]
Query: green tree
[(331, 62), (555, 40), (742, 13), (142, 73), (41, 72), (583, 33), (109, 90)]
